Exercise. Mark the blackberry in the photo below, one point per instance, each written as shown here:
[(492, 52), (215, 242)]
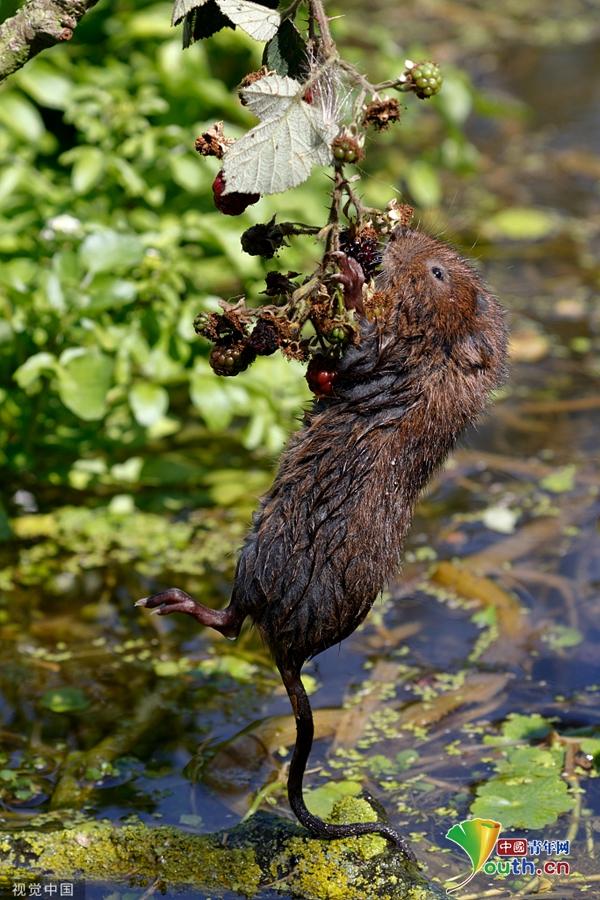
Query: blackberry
[(321, 375), (363, 246), (263, 240), (264, 339), (424, 78), (347, 148), (232, 204), (231, 359)]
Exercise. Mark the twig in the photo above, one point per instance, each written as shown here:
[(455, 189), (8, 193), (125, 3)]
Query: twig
[(37, 25), (318, 12)]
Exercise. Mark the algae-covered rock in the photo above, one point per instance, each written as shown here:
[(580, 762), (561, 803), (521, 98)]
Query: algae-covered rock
[(265, 851)]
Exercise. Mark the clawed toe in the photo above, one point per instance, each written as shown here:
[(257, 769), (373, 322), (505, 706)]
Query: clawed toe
[(167, 602)]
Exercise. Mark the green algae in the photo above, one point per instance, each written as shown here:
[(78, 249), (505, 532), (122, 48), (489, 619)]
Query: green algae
[(257, 853)]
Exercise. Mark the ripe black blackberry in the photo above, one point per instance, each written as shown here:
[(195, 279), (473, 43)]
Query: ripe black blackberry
[(364, 247), (265, 338)]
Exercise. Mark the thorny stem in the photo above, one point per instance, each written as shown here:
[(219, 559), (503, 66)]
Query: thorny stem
[(318, 13)]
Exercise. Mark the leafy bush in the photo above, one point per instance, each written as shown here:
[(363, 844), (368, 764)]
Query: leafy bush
[(110, 245)]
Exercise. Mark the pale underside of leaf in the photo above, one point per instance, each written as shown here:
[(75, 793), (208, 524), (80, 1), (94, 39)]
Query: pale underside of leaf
[(258, 21), (182, 7), (266, 97), (279, 153)]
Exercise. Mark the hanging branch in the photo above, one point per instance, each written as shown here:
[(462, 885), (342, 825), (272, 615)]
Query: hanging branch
[(37, 25)]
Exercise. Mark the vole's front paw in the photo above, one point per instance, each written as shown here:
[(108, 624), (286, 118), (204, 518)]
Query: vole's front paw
[(352, 279)]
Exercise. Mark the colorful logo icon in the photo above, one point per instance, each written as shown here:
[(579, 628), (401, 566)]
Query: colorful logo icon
[(477, 837)]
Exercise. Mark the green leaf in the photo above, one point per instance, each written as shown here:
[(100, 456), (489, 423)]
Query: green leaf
[(321, 800), (527, 791), (107, 250), (229, 666), (285, 53), (149, 402), (202, 24), (560, 481), (21, 117), (65, 700), (517, 727), (560, 636), (211, 400), (281, 151), (128, 177), (84, 378), (258, 21), (110, 293), (5, 529), (45, 84), (31, 370), (88, 169), (521, 224), (423, 183), (456, 98)]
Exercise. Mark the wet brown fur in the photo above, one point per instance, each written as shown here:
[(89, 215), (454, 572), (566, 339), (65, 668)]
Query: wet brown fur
[(328, 536)]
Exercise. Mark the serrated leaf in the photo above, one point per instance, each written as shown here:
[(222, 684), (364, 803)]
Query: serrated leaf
[(270, 96), (181, 8), (286, 51), (280, 152), (203, 24), (258, 21)]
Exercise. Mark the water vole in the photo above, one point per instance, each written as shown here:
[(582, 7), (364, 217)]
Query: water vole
[(328, 535)]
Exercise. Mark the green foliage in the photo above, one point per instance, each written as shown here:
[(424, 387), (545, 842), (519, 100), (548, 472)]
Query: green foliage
[(527, 789), (109, 246)]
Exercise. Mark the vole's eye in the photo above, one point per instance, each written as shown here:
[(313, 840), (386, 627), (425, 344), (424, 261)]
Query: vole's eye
[(438, 273)]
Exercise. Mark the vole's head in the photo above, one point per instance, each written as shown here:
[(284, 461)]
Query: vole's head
[(431, 284), (438, 297)]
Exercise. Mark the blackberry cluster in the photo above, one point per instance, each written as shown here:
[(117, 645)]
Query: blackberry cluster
[(263, 240), (427, 79), (265, 337), (363, 246), (346, 148), (231, 359)]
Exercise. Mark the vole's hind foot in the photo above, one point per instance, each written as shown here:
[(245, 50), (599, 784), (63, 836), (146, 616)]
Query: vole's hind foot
[(227, 621)]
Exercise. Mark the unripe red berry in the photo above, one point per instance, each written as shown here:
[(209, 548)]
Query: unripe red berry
[(232, 204), (321, 376)]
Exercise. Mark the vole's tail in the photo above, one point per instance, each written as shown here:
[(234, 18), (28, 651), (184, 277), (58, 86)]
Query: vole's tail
[(304, 738)]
